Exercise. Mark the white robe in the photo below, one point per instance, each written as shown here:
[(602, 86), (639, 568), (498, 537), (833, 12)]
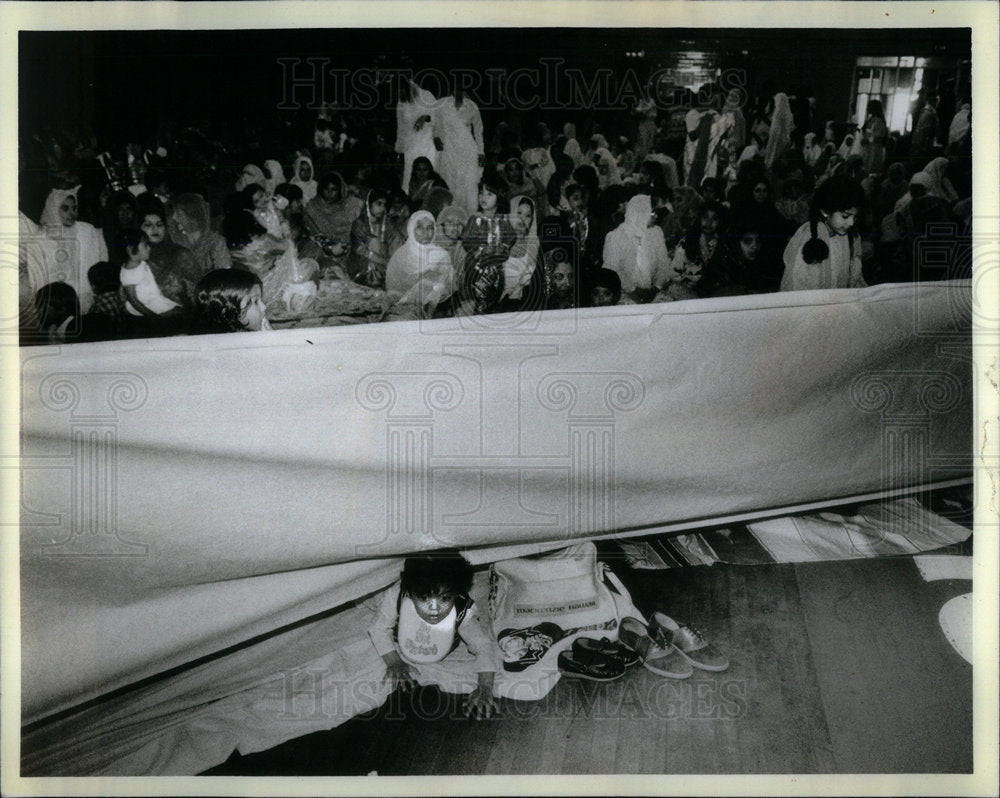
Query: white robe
[(77, 248), (635, 251), (461, 130), (416, 143)]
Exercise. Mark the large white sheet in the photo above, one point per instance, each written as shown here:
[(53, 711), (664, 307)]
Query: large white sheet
[(182, 495)]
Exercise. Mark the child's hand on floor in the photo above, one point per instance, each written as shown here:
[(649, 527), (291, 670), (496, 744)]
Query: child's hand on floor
[(481, 702), (481, 705), (398, 672)]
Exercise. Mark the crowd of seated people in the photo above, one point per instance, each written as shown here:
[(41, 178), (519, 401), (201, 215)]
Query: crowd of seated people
[(487, 221)]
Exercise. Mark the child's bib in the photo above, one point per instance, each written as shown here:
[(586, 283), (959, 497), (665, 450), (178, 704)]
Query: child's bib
[(420, 641)]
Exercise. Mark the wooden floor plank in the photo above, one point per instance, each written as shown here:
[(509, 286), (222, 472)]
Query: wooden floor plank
[(835, 667), (465, 747), (579, 732), (533, 719), (558, 729), (885, 668)]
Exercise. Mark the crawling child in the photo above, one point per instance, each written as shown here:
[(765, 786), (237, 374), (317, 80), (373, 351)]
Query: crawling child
[(427, 631)]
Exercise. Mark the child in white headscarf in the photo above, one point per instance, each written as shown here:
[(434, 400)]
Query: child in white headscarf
[(304, 177)]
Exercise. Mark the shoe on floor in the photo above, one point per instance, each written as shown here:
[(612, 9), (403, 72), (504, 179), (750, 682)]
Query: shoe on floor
[(663, 660), (689, 642), (616, 651), (591, 665)]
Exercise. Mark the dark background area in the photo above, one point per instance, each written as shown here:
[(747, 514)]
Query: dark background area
[(107, 81)]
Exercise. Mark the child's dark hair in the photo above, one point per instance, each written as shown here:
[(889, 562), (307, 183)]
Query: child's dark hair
[(838, 193), (221, 294), (55, 302), (495, 184), (239, 226), (103, 277), (376, 194), (605, 278), (432, 572), (126, 242), (574, 188)]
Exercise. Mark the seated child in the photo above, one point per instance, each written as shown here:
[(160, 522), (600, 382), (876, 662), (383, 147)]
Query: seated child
[(144, 301), (57, 316), (604, 288), (420, 624), (230, 300), (106, 317)]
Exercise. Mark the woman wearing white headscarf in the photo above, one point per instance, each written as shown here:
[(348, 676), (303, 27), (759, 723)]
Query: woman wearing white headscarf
[(608, 173), (960, 125), (304, 176), (277, 175), (572, 146), (635, 250), (939, 184), (78, 245), (520, 263), (415, 131), (894, 224), (780, 134), (251, 174), (420, 270)]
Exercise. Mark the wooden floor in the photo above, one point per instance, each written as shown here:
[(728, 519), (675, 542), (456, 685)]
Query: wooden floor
[(837, 667)]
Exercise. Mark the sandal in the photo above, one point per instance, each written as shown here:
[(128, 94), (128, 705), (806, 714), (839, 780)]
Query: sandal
[(664, 660), (591, 665), (689, 643), (616, 651)]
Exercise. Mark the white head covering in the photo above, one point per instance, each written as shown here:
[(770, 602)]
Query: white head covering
[(50, 213), (309, 186), (939, 185), (919, 179), (277, 175), (637, 213), (422, 273), (780, 135), (613, 177), (960, 124), (572, 147), (650, 249), (251, 174)]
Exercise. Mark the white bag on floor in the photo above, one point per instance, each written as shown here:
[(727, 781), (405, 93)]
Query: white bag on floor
[(540, 604)]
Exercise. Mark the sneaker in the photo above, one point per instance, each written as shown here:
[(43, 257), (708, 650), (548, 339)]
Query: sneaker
[(664, 660), (689, 643)]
